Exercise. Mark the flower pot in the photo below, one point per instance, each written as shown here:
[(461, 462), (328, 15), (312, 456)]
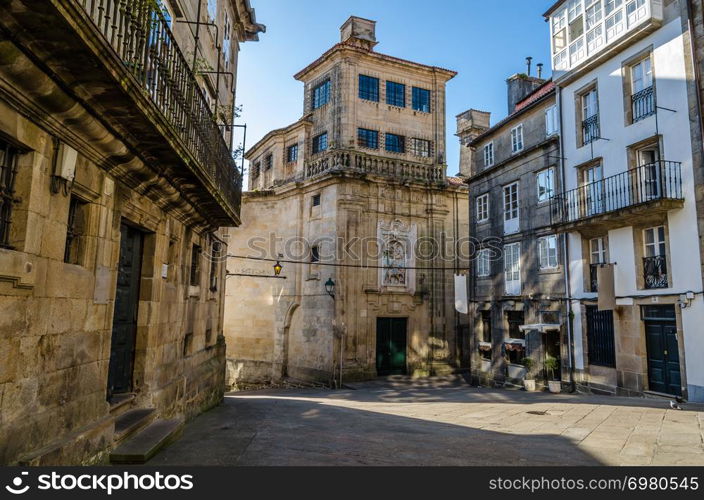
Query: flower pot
[(529, 385), (555, 386)]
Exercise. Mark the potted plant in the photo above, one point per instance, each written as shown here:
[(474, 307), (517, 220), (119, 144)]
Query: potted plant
[(528, 383), (551, 366)]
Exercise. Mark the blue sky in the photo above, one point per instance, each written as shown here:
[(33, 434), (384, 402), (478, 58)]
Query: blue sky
[(485, 41)]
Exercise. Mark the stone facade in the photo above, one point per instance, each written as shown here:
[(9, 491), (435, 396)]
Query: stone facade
[(511, 323), (351, 203), (84, 163)]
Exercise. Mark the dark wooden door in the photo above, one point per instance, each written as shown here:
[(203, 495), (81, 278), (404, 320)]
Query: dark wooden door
[(663, 356), (124, 324), (391, 346)]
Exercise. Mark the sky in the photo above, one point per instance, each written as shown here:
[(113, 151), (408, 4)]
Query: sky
[(485, 41)]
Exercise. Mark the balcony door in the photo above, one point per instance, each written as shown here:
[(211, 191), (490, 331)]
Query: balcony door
[(512, 269), (648, 173), (593, 182), (511, 211)]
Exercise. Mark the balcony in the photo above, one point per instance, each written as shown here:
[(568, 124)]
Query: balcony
[(643, 104), (639, 192), (344, 161), (655, 272), (590, 129), (121, 66)]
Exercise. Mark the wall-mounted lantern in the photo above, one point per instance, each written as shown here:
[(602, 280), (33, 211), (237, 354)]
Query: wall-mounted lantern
[(330, 287)]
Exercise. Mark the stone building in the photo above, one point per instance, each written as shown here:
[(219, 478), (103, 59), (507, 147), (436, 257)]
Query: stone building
[(358, 181), (516, 287), (632, 179), (115, 177)]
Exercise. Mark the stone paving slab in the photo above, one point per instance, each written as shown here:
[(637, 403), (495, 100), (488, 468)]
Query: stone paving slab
[(437, 422)]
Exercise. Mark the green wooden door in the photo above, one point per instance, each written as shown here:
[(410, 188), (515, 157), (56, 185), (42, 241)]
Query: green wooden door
[(391, 346)]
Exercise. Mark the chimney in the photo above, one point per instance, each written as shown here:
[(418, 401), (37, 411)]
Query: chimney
[(522, 85), (470, 125), (360, 32)]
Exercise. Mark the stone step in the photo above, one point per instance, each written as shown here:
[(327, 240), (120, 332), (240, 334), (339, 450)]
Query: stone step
[(131, 421), (146, 443), (120, 403)]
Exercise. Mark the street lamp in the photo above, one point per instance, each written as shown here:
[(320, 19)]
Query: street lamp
[(277, 268), (330, 287)]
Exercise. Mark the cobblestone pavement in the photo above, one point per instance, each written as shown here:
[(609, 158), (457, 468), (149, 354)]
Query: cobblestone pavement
[(437, 422)]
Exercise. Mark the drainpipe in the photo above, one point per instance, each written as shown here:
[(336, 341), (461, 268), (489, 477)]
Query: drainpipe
[(695, 64), (565, 255)]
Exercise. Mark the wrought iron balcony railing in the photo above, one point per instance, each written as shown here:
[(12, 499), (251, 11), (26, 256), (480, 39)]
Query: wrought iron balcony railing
[(661, 180), (643, 103), (590, 129), (655, 272), (140, 35), (375, 165)]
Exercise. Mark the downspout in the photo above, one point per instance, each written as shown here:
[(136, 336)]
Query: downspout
[(696, 65), (565, 254)]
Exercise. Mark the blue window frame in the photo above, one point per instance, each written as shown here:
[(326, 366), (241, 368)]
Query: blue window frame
[(320, 142), (396, 94), (368, 138), (292, 153), (421, 100), (321, 94), (369, 88), (395, 143)]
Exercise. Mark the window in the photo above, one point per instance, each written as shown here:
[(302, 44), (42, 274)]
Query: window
[(256, 169), (654, 260), (594, 14), (421, 100), (512, 269), (420, 147), (368, 88), (595, 39), (268, 162), (215, 257), (320, 143), (516, 352), (321, 94), (611, 5), (545, 180), (8, 170), (590, 116), (600, 337), (212, 9), (517, 139), (654, 240), (489, 154), (227, 41), (551, 121), (315, 254), (559, 30), (368, 138), (642, 91), (75, 230), (395, 143), (635, 11), (483, 263), (292, 153), (614, 26), (315, 200), (485, 351), (577, 51), (597, 251), (511, 221), (396, 94), (642, 75), (195, 265), (547, 251), (483, 207)]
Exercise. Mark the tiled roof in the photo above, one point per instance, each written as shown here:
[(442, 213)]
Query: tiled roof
[(455, 181), (545, 89)]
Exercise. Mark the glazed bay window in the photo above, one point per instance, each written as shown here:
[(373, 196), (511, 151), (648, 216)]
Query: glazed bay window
[(320, 143), (321, 94), (547, 252), (545, 180), (368, 88), (292, 153), (512, 269), (396, 94), (642, 90), (421, 147), (590, 116), (395, 143), (421, 99), (368, 138), (517, 139), (511, 216), (636, 10), (655, 258), (8, 171), (489, 155), (483, 263), (483, 208)]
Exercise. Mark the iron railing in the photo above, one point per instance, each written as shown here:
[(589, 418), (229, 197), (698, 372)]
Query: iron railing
[(590, 129), (8, 172), (643, 103), (655, 272), (140, 35), (655, 181), (375, 165)]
